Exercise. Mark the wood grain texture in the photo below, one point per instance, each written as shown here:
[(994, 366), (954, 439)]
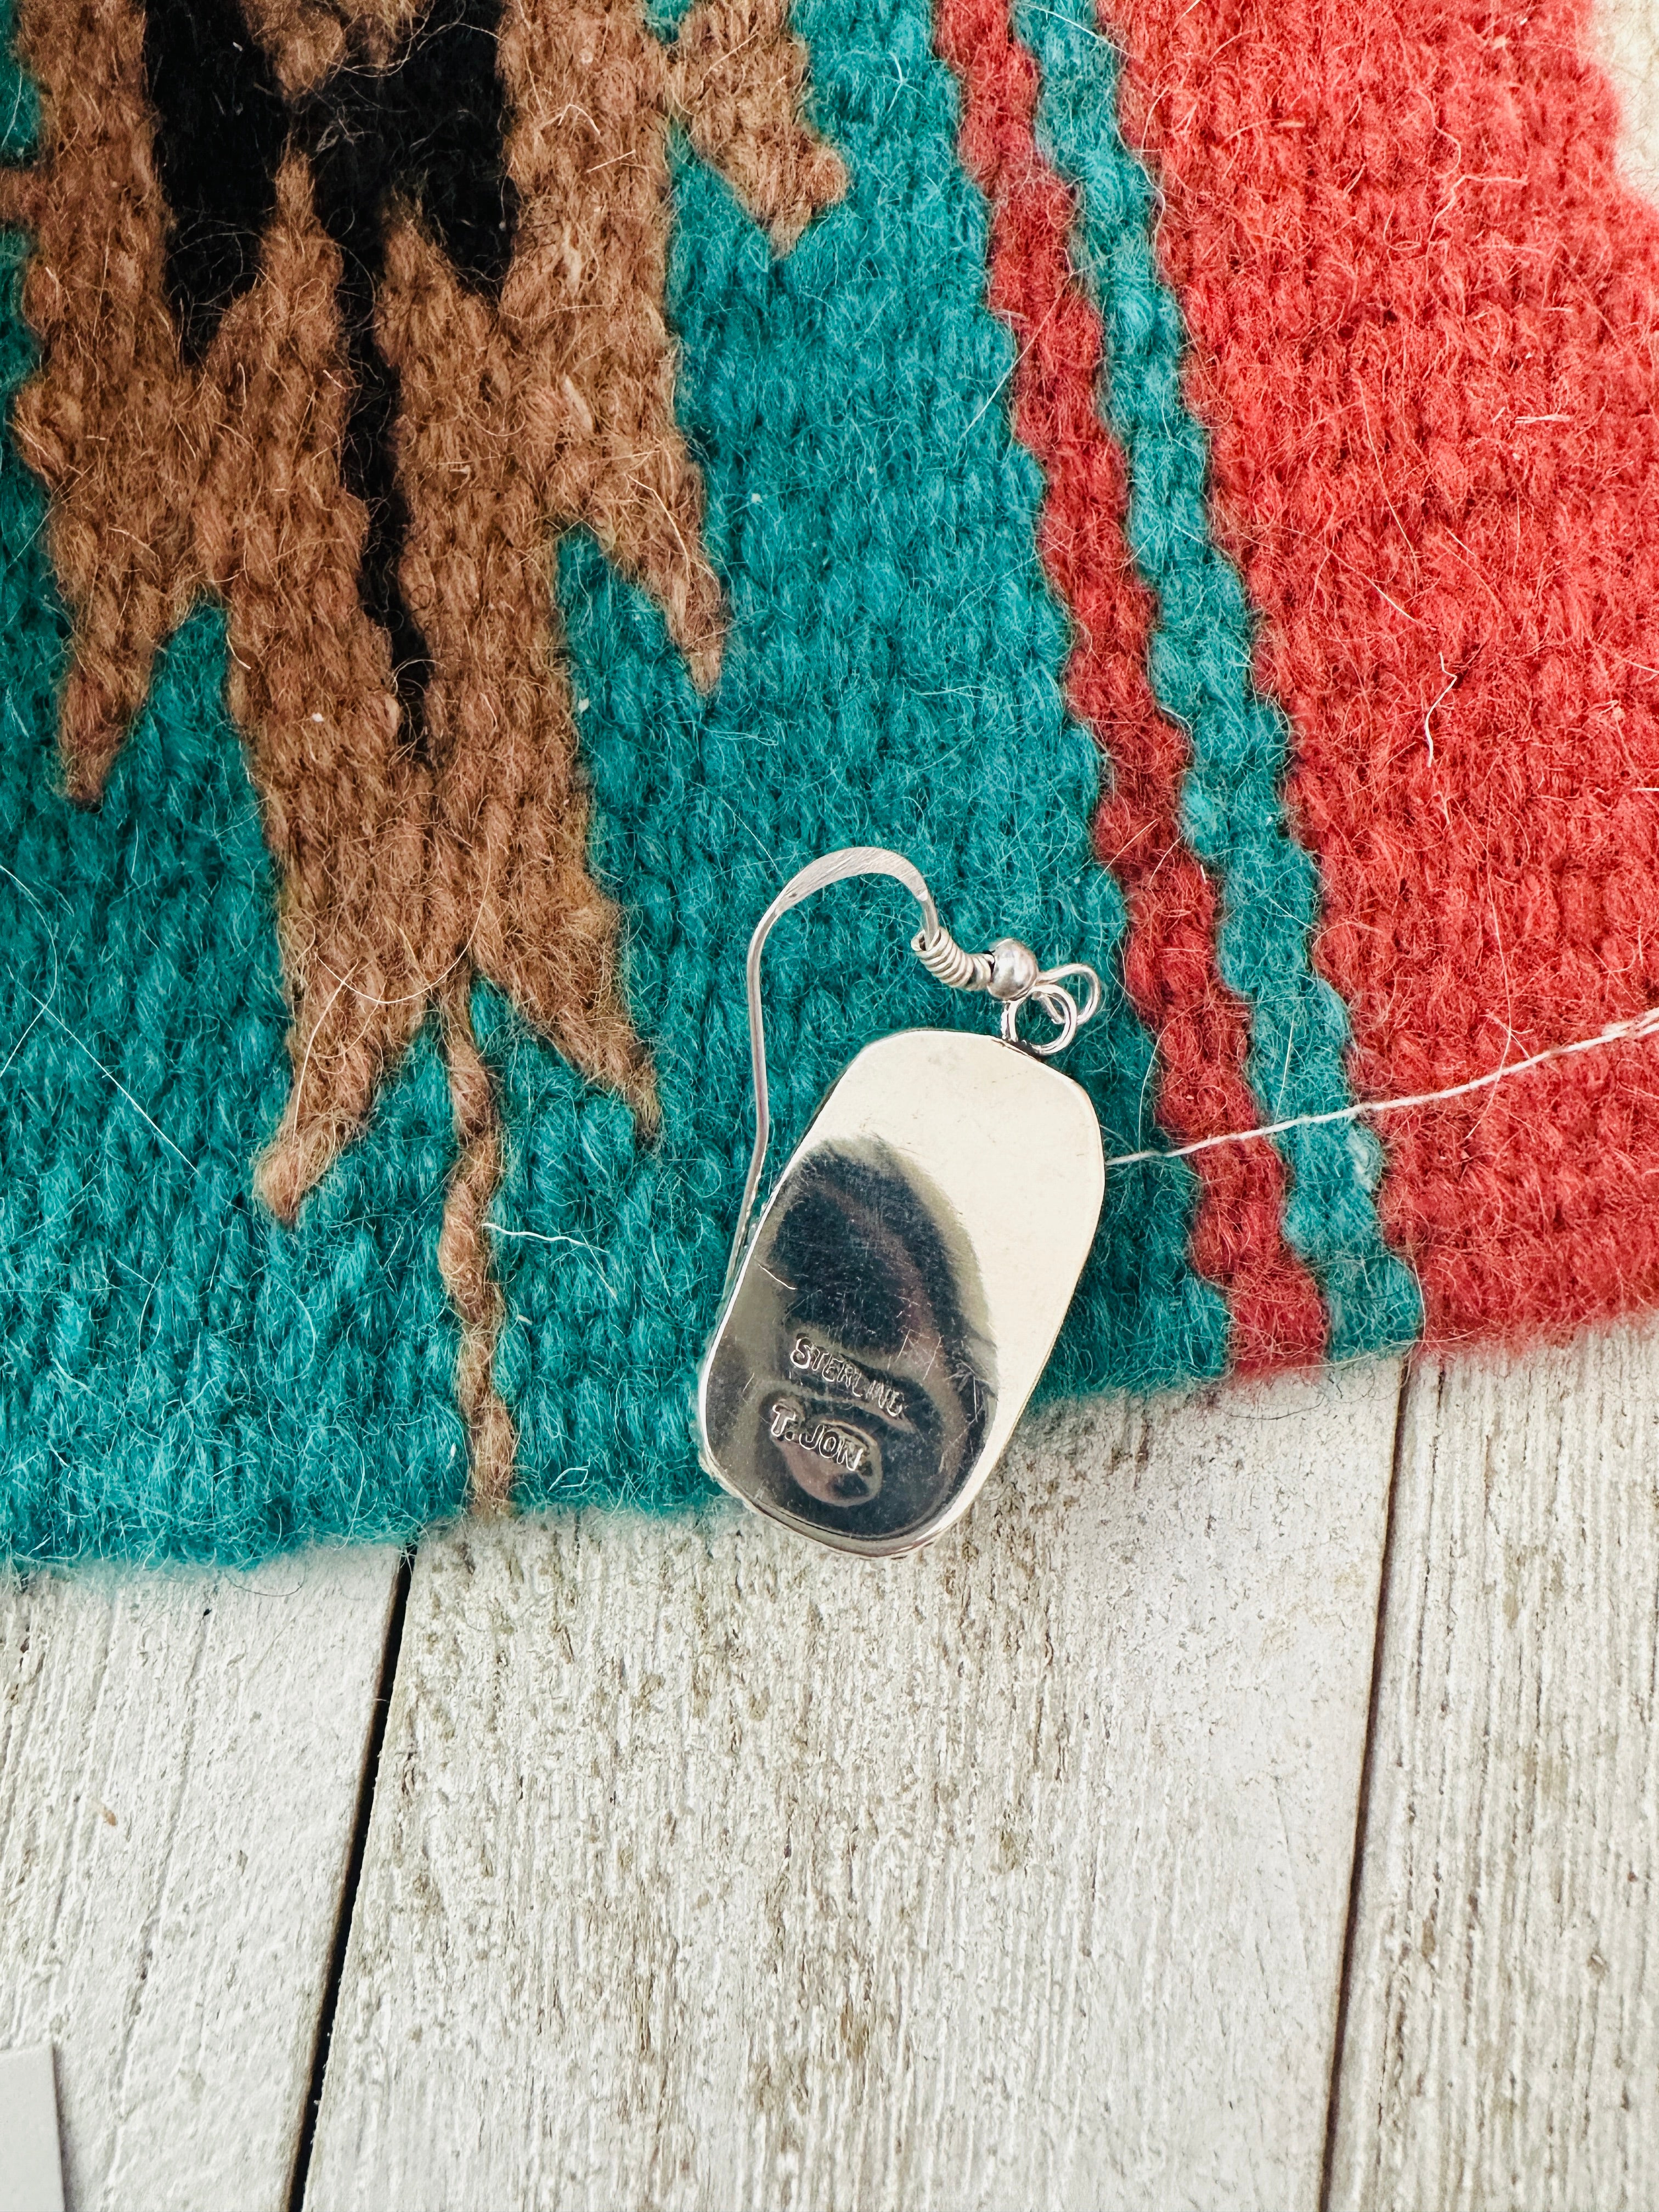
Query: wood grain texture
[(180, 1766), (31, 2164), (708, 1869), (1625, 37), (1502, 2033)]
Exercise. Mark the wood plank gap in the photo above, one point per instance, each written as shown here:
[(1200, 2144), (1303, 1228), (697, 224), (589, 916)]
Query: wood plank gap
[(181, 1754), (367, 1788), (1014, 1874), (1501, 2046), (1362, 1801)]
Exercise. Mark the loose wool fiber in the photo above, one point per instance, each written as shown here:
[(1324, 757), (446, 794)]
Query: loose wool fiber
[(1179, 474)]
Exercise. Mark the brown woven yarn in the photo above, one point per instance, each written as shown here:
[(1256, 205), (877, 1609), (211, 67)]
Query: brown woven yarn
[(406, 869), (306, 39)]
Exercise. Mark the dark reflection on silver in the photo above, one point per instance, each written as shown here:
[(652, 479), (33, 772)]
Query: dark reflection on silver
[(853, 1378)]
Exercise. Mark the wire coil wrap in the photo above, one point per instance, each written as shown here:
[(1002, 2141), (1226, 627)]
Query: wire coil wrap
[(945, 959)]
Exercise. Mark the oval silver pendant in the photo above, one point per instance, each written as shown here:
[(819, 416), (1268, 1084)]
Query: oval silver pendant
[(902, 1290)]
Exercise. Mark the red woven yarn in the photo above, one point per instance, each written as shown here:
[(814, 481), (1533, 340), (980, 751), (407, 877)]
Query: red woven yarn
[(1425, 314), (1169, 967)]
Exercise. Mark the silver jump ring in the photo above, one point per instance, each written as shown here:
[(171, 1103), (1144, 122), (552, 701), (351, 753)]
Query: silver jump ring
[(1091, 996), (1061, 1009)]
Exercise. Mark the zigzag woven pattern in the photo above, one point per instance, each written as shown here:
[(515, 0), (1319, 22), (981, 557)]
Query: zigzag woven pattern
[(491, 487)]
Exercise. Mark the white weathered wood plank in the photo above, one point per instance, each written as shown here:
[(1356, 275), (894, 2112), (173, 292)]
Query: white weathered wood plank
[(179, 1768), (1502, 2033), (31, 2165), (707, 1870), (1626, 39)]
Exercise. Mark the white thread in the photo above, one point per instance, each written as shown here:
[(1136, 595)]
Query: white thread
[(1640, 1026)]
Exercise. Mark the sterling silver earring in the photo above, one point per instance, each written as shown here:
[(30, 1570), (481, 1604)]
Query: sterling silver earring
[(883, 1325)]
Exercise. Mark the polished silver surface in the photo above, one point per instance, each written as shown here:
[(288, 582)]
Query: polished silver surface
[(897, 1302)]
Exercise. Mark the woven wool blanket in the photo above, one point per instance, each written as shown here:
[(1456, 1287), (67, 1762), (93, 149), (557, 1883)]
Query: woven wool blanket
[(490, 487)]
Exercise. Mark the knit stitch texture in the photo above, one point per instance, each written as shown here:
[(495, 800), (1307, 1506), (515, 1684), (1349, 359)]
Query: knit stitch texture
[(447, 589)]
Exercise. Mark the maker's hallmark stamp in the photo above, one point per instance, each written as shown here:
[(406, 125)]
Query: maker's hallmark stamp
[(839, 1373), (828, 1458)]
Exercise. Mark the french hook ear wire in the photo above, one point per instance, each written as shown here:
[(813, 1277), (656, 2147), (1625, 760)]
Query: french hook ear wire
[(1009, 972), (817, 875)]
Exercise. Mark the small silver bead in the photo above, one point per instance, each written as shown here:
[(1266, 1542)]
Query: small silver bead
[(1014, 969)]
